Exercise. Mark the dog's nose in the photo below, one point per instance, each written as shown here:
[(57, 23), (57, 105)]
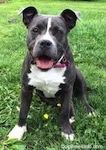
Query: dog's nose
[(45, 44)]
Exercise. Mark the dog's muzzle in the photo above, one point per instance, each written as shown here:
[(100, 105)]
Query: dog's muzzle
[(44, 62), (46, 57)]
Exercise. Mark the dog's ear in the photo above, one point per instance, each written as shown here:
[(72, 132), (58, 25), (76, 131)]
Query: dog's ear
[(70, 17), (78, 14), (28, 14)]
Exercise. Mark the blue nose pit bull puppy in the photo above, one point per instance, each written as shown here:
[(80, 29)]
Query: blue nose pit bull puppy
[(49, 68)]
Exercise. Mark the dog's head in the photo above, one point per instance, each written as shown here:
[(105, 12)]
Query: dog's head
[(47, 35)]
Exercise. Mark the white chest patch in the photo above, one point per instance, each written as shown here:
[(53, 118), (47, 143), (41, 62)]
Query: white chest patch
[(46, 81)]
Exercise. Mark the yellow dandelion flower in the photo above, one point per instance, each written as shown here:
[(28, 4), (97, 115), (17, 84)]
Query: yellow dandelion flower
[(58, 105), (46, 116)]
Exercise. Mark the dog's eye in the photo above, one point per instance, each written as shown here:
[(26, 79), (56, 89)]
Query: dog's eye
[(59, 31), (35, 30)]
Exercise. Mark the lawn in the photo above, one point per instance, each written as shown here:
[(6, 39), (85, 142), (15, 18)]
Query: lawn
[(88, 42)]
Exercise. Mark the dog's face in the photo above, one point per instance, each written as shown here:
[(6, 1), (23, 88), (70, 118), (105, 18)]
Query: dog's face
[(47, 35)]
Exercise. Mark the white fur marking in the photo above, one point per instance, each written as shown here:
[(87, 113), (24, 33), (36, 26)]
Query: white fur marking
[(68, 137), (47, 35), (46, 81), (71, 120), (92, 114), (49, 24), (17, 132)]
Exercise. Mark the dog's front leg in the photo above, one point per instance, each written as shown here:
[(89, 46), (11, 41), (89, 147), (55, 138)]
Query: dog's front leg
[(26, 97), (66, 109)]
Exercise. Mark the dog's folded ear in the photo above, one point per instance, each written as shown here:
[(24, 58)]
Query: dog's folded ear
[(28, 14), (70, 17)]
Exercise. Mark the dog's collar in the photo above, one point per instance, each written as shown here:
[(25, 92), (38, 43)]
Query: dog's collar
[(62, 62)]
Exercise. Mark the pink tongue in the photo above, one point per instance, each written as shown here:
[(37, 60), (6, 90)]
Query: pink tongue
[(44, 64)]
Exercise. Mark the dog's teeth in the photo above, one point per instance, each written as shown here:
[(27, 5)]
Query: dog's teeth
[(17, 132), (71, 120), (68, 137)]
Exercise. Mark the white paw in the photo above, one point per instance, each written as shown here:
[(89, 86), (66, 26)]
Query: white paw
[(17, 132), (71, 120), (91, 114), (68, 137)]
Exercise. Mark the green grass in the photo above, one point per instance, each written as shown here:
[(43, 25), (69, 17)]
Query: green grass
[(88, 42)]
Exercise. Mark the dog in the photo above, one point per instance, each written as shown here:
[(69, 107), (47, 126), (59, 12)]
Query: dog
[(49, 68)]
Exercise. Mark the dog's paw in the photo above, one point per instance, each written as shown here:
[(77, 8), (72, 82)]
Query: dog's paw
[(91, 114), (17, 132), (68, 136), (71, 120)]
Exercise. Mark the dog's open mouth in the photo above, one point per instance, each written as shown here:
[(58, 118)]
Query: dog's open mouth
[(44, 62)]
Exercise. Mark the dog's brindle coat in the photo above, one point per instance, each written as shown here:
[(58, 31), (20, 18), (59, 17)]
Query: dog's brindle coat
[(49, 68)]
